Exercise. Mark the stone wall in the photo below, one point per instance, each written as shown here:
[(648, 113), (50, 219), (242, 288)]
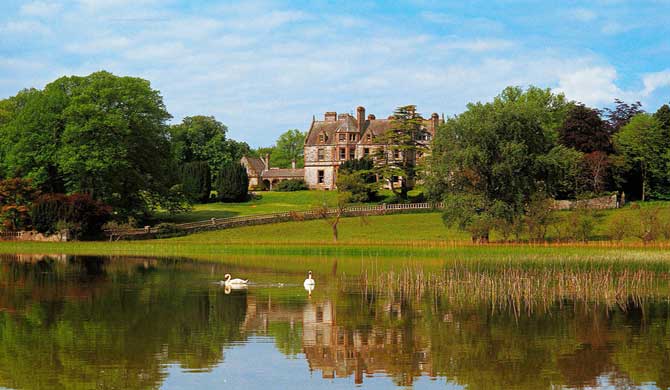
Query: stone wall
[(601, 203), (33, 236)]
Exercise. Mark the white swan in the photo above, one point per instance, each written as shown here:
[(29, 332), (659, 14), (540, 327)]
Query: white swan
[(309, 281), (234, 282)]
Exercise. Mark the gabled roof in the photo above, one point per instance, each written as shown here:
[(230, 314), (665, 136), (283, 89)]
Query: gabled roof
[(255, 163), (282, 172), (330, 128)]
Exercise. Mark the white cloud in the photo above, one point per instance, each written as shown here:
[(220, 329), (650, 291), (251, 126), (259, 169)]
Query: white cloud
[(477, 45), (591, 85), (40, 9), (654, 81), (583, 15)]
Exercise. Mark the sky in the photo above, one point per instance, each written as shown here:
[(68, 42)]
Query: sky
[(262, 67)]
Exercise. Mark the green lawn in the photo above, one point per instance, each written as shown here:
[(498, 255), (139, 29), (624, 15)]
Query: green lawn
[(264, 203)]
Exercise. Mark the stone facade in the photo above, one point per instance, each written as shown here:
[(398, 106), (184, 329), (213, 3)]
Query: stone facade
[(338, 138), (262, 176)]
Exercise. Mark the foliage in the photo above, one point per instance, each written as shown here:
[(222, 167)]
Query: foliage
[(619, 227), (83, 215), (496, 154), (290, 185), (196, 180), (100, 134), (203, 138), (562, 171), (289, 147), (538, 217), (621, 114), (584, 130), (647, 225), (356, 178), (16, 196), (232, 183), (400, 146), (644, 146)]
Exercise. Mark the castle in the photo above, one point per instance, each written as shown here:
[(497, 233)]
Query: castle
[(332, 141)]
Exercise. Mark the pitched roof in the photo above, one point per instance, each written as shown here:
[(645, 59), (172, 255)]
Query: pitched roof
[(283, 172), (255, 163), (344, 124)]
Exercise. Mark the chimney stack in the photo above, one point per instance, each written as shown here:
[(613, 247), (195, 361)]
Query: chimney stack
[(267, 161), (293, 164), (435, 119), (360, 117), (330, 116), (371, 117)]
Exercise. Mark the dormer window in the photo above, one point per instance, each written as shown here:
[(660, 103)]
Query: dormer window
[(342, 137), (323, 138), (352, 137), (368, 138)]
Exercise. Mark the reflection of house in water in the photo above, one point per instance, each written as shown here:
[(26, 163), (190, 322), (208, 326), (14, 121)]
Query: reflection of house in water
[(338, 351)]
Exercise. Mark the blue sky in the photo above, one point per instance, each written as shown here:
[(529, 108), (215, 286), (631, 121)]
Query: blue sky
[(262, 67)]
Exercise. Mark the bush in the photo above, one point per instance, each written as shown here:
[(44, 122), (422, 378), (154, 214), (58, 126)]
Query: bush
[(618, 227), (16, 195), (291, 185), (648, 225), (82, 214), (232, 183), (196, 181), (356, 179)]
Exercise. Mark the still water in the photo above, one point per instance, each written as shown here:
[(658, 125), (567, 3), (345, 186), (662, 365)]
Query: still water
[(139, 323)]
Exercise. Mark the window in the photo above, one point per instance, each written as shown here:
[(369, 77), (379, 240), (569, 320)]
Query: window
[(320, 155), (352, 154), (343, 153), (368, 137), (396, 154), (320, 175), (342, 137), (322, 138), (352, 137), (366, 152)]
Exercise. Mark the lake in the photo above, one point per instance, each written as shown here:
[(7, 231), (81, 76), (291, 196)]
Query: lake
[(77, 322)]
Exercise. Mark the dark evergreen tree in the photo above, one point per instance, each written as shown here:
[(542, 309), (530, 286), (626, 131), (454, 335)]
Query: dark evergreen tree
[(196, 179), (232, 183)]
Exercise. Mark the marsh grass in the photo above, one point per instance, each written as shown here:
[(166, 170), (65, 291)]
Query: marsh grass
[(516, 289)]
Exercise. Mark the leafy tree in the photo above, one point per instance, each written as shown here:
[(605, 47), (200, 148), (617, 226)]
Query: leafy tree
[(356, 178), (232, 183), (663, 117), (491, 159), (562, 171), (595, 171), (99, 134), (16, 196), (289, 147), (643, 145), (584, 130), (196, 179), (203, 138), (621, 114), (397, 157)]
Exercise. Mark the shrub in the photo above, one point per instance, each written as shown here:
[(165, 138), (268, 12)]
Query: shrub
[(582, 224), (618, 227), (356, 179), (83, 215), (291, 185), (538, 217), (648, 224), (16, 195), (232, 183), (196, 180)]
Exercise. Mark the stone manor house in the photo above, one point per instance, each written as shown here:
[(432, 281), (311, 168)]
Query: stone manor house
[(330, 142)]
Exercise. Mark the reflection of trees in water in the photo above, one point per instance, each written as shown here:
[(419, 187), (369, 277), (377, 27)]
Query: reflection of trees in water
[(573, 343), (104, 333)]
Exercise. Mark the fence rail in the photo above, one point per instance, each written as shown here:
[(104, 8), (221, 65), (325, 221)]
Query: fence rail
[(261, 219)]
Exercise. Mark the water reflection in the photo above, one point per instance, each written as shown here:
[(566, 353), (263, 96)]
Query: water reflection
[(83, 322)]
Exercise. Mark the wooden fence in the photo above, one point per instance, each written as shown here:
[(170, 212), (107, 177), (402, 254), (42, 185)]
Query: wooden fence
[(261, 219)]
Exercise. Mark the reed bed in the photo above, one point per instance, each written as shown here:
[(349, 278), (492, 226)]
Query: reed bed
[(513, 288)]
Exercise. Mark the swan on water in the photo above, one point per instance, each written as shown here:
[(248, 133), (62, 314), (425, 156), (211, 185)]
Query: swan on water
[(309, 281), (234, 282)]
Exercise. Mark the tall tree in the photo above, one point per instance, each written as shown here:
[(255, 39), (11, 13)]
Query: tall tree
[(644, 146), (232, 183), (489, 161), (203, 138), (289, 147), (621, 114), (584, 130), (396, 159), (99, 134)]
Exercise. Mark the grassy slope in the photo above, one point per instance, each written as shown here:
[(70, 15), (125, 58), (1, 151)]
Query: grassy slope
[(268, 202)]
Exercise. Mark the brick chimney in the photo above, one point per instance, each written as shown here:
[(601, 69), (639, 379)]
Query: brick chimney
[(267, 161), (330, 116), (435, 121), (371, 117), (360, 117)]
